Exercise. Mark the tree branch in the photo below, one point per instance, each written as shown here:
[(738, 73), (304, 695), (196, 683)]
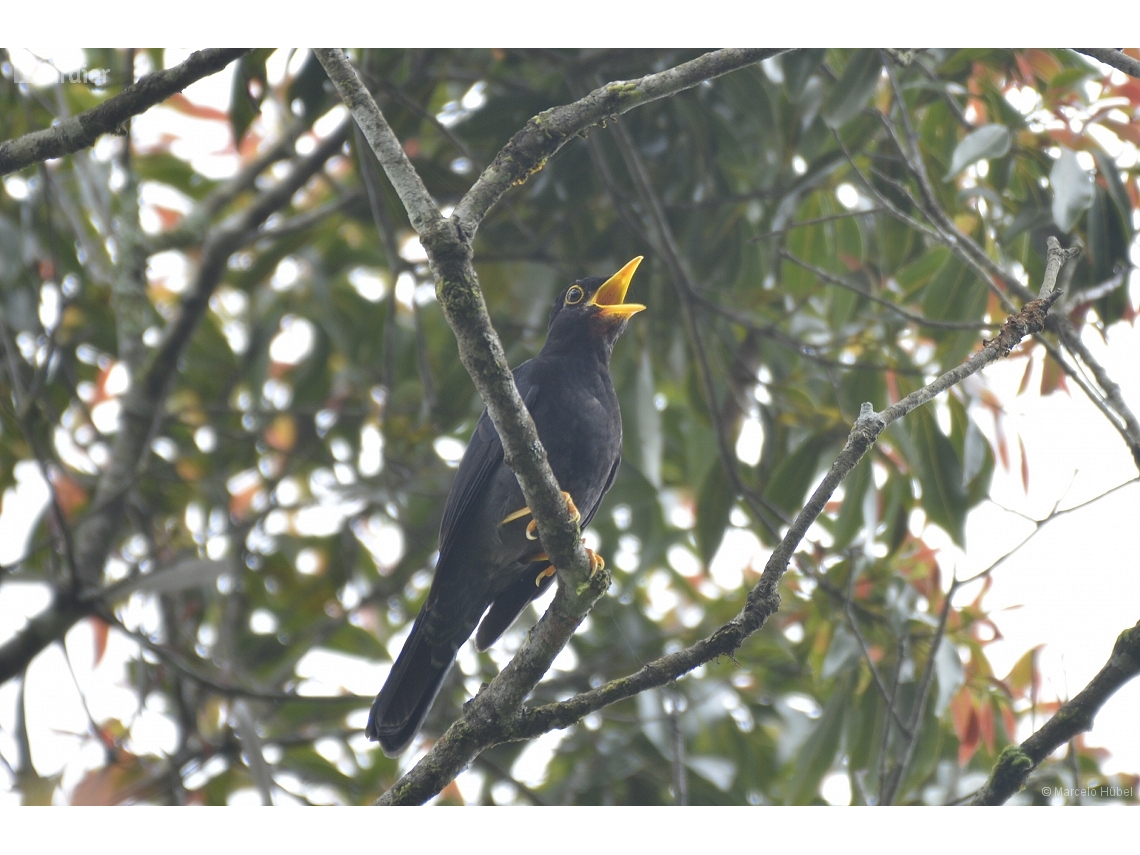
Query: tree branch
[(1075, 717), (79, 132), (1116, 58)]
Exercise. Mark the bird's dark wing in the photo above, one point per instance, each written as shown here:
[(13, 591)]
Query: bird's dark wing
[(482, 458), (589, 515), (510, 604)]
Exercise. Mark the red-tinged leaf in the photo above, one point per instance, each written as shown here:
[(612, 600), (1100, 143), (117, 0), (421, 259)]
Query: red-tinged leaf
[(1129, 89), (1024, 464), (965, 719), (1001, 440), (240, 502), (1024, 67), (1025, 377), (1009, 722), (1043, 63), (69, 493), (100, 628), (892, 386), (986, 725), (282, 433), (111, 785), (976, 605), (187, 107), (451, 795), (1053, 378), (168, 217)]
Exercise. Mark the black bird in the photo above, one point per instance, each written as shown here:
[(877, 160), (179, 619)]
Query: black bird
[(491, 564)]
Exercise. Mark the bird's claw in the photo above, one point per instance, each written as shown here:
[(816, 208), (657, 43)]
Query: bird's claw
[(532, 526), (547, 572), (597, 563)]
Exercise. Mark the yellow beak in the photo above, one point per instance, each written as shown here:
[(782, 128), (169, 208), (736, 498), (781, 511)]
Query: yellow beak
[(610, 296)]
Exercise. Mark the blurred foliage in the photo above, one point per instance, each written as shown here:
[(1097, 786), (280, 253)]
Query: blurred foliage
[(306, 446)]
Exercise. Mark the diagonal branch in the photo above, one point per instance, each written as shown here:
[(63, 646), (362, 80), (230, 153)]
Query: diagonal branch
[(80, 131), (1116, 58), (763, 600), (1073, 718)]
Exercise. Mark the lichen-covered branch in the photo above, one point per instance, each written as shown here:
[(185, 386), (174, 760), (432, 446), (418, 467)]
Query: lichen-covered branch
[(80, 131), (1073, 718), (547, 132), (1117, 59)]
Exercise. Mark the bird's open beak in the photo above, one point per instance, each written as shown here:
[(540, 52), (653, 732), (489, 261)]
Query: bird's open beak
[(609, 297)]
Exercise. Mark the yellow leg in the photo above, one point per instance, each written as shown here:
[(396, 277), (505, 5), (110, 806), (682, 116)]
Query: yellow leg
[(549, 571), (532, 526), (597, 563)]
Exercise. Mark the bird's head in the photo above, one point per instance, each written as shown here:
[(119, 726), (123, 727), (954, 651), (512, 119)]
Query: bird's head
[(592, 310)]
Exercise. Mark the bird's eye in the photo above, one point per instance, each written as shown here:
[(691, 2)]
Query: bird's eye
[(574, 295)]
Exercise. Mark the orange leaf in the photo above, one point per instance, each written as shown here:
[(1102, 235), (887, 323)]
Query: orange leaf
[(1044, 64), (187, 107), (965, 725), (1129, 89), (986, 725), (100, 628), (110, 785), (1000, 440), (240, 502), (168, 217), (69, 494), (892, 386), (282, 433), (1052, 378), (187, 470)]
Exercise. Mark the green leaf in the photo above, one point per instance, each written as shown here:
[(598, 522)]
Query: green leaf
[(950, 673), (850, 519), (799, 65), (940, 473), (250, 84), (986, 142), (843, 651), (850, 95), (714, 504), (1073, 190), (793, 476), (817, 754)]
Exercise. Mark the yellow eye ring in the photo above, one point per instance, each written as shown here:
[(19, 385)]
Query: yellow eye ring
[(574, 295)]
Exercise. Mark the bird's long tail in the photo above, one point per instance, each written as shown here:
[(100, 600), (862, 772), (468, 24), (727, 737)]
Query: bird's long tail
[(412, 685)]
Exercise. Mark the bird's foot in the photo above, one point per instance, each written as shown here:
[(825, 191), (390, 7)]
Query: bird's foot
[(597, 564), (532, 526), (545, 574)]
